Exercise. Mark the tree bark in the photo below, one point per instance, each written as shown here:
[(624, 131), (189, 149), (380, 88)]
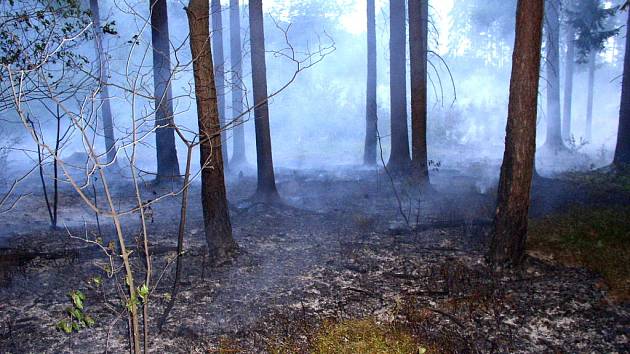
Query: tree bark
[(418, 51), (592, 61), (103, 76), (622, 151), (167, 162), (552, 22), (219, 69), (510, 222), (216, 216), (266, 189), (399, 159), (239, 158), (371, 118), (569, 65)]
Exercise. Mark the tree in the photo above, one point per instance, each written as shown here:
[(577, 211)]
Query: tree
[(40, 34), (483, 31), (167, 162), (552, 28), (219, 69), (371, 118), (266, 189), (239, 159), (40, 40), (591, 22), (216, 216), (592, 62), (569, 65), (510, 222), (418, 50), (622, 150), (103, 76), (399, 159)]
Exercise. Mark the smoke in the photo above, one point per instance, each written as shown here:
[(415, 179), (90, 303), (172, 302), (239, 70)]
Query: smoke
[(319, 120)]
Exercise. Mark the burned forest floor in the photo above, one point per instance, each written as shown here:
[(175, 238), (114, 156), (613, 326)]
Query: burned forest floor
[(346, 248)]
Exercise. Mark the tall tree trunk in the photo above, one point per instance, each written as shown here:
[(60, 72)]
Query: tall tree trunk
[(622, 151), (399, 159), (552, 22), (510, 222), (236, 60), (219, 68), (216, 216), (167, 162), (569, 65), (418, 51), (103, 75), (371, 118), (592, 61), (266, 189)]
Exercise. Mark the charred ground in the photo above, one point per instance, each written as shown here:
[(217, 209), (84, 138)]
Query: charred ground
[(339, 249)]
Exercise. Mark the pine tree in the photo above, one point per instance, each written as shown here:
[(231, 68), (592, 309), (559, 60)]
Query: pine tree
[(217, 226), (510, 222), (167, 162)]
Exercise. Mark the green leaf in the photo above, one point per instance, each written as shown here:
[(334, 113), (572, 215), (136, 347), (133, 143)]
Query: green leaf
[(132, 302), (77, 314), (98, 281), (143, 292), (77, 299), (64, 326)]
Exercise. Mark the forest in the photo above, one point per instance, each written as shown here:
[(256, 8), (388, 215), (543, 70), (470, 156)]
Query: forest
[(314, 176)]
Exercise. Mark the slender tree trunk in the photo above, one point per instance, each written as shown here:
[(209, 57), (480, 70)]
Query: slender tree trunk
[(510, 222), (266, 189), (552, 22), (592, 61), (183, 212), (418, 51), (167, 162), (40, 164), (399, 159), (239, 158), (103, 75), (569, 65), (56, 169), (216, 216), (219, 68), (371, 118), (622, 151)]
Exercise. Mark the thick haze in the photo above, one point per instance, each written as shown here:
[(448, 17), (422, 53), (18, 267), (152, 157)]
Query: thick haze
[(319, 120)]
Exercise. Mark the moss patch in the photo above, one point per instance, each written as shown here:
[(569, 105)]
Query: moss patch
[(362, 336), (598, 239)]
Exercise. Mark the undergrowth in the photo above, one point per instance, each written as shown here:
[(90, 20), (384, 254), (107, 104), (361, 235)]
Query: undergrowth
[(362, 336), (408, 334), (597, 239), (603, 180)]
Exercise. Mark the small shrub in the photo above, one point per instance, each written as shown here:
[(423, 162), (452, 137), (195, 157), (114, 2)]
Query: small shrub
[(76, 317), (575, 145)]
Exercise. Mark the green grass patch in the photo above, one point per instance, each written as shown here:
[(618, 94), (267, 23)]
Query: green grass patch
[(603, 180), (597, 239), (362, 336)]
